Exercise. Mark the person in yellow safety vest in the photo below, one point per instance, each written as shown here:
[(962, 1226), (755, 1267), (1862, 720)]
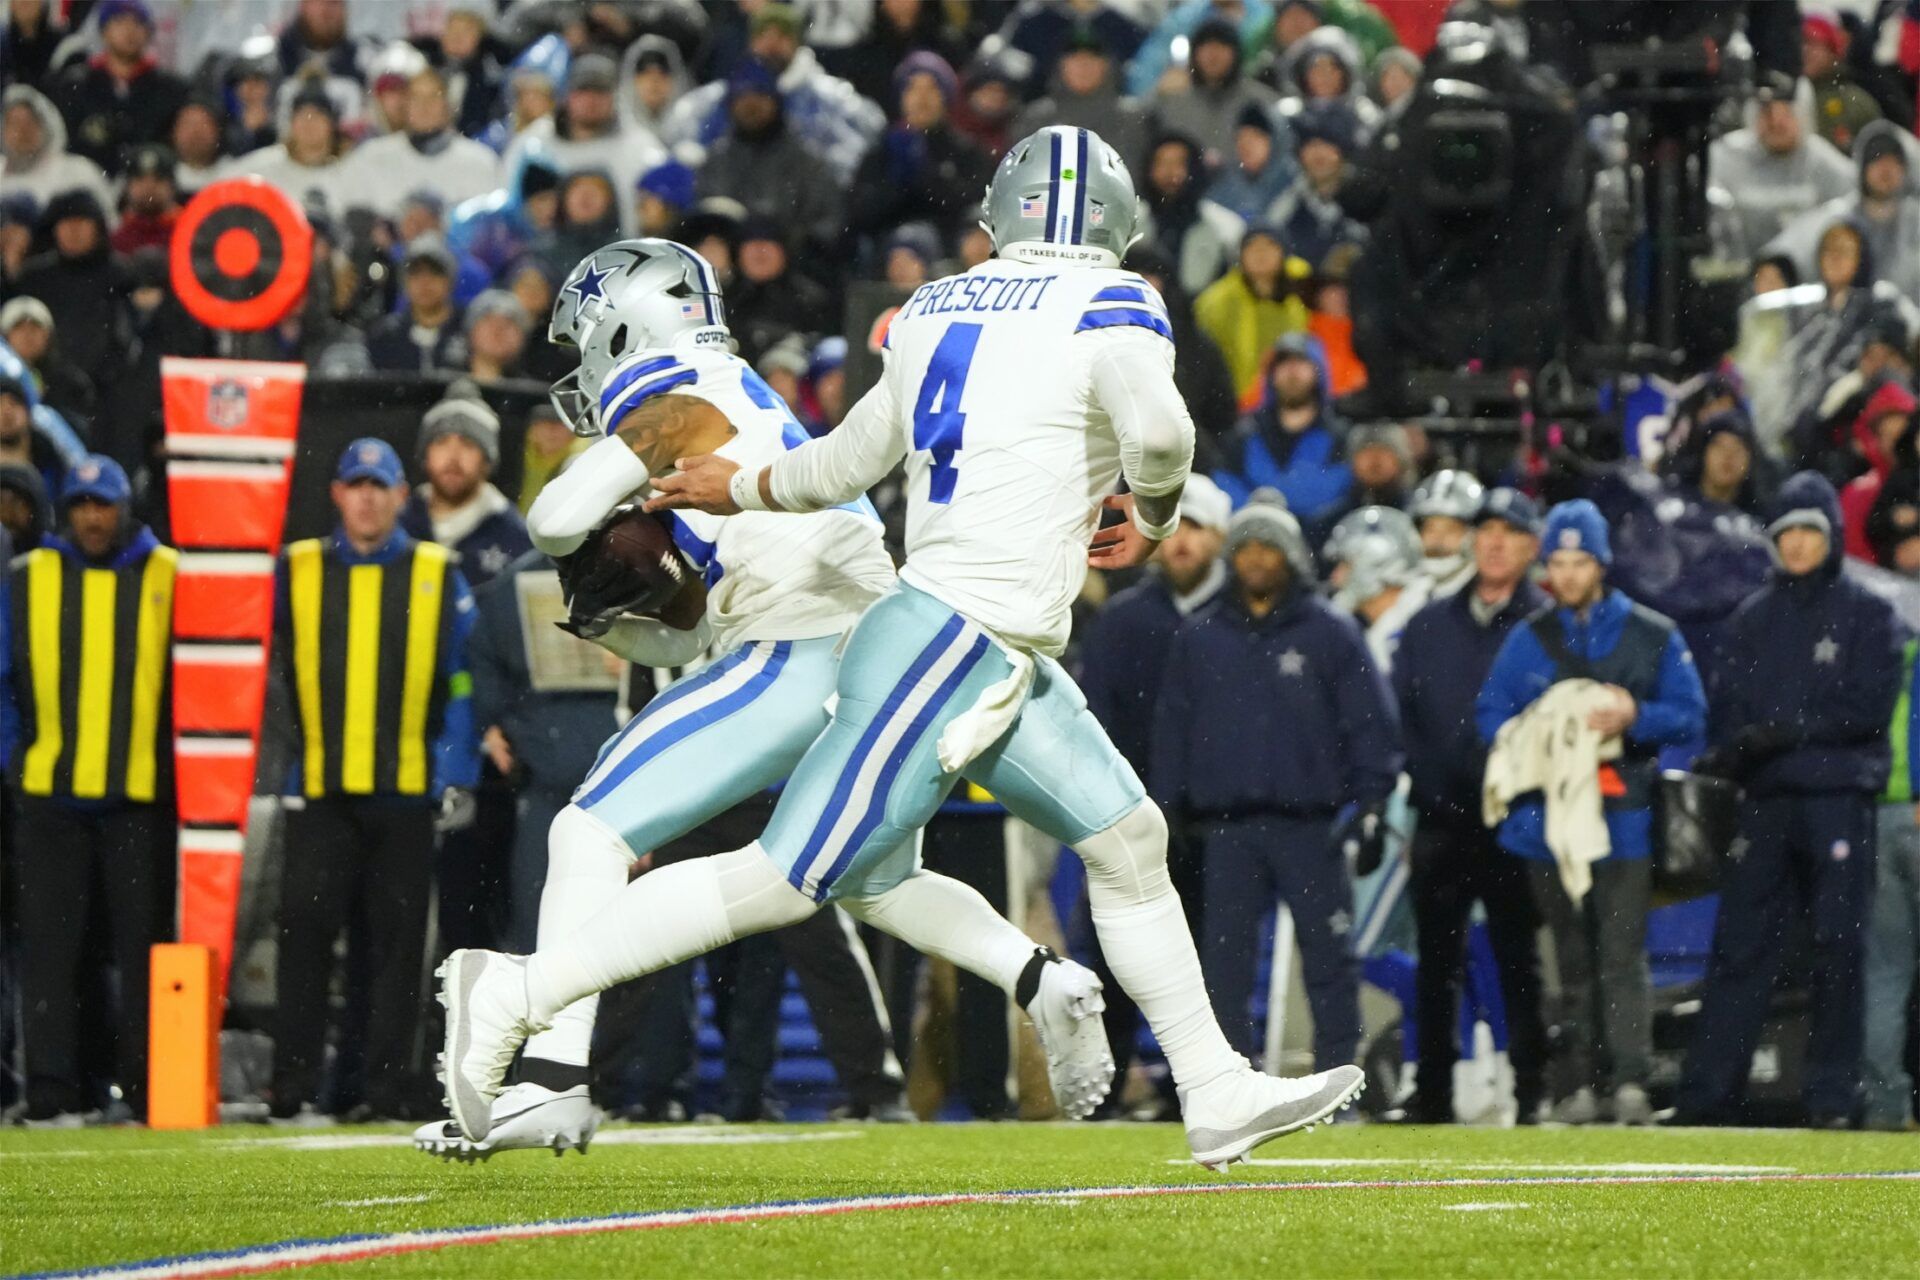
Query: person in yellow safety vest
[(370, 635), (85, 729)]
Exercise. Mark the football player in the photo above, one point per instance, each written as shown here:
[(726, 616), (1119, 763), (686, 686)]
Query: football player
[(657, 381)]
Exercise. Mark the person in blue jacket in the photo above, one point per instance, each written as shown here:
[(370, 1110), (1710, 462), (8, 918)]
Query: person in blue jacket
[(1445, 652), (1593, 631), (1121, 664), (1276, 734), (1803, 694), (1292, 442)]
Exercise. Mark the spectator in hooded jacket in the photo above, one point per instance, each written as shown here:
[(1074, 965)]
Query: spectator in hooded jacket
[(1883, 206), (34, 159), (920, 170), (316, 45), (1247, 310), (470, 60), (1208, 106), (427, 334), (1083, 92), (1325, 69), (196, 136), (1445, 653), (306, 164), (1594, 632), (1881, 433), (653, 77), (1308, 212), (499, 227), (1258, 171), (1291, 442), (1810, 672), (762, 165), (150, 205), (80, 282), (1368, 35), (1200, 236), (990, 98), (121, 96), (1275, 736), (826, 112), (587, 133)]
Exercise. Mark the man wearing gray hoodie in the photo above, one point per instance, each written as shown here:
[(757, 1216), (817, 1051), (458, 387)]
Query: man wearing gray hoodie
[(1883, 207), (1774, 170), (34, 159)]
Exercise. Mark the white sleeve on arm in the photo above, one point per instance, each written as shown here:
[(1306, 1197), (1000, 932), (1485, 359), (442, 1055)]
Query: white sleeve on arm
[(574, 502), (1133, 381), (847, 461), (653, 643)]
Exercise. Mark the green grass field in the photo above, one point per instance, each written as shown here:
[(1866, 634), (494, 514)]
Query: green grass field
[(1650, 1207)]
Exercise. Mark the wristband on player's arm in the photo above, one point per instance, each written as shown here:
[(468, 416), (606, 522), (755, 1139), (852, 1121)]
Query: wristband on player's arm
[(744, 489)]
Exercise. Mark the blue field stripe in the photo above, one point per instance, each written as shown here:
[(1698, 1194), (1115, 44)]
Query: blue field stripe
[(843, 789), (632, 374), (890, 772), (685, 727), (1121, 316), (1080, 191), (636, 396), (1124, 293)]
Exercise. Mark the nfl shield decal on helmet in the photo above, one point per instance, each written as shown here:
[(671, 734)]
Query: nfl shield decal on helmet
[(227, 405)]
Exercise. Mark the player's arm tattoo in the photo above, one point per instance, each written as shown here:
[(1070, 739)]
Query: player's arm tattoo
[(669, 427)]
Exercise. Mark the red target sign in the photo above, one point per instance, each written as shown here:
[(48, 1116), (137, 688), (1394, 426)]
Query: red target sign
[(240, 255)]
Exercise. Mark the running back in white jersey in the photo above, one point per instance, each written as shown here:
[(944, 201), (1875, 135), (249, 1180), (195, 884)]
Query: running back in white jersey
[(1009, 453), (769, 576)]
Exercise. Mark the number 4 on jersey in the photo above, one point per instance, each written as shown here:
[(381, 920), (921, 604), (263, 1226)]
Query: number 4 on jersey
[(939, 426)]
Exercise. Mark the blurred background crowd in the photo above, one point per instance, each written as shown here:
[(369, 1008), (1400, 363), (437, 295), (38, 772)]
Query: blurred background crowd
[(1553, 369)]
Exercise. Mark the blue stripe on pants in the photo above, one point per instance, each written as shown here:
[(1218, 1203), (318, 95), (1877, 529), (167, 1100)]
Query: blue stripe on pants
[(883, 786), (843, 789), (686, 726)]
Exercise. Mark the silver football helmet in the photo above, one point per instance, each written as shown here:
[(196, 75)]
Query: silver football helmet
[(632, 295), (1447, 493), (1371, 551), (1062, 196)]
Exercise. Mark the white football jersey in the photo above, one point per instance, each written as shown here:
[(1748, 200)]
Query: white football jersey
[(769, 576), (1008, 451)]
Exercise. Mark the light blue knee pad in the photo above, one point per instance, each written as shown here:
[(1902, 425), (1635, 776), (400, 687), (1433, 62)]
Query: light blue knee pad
[(712, 739), (910, 667)]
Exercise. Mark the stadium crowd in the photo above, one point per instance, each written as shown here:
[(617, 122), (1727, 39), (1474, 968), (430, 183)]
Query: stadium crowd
[(1374, 645)]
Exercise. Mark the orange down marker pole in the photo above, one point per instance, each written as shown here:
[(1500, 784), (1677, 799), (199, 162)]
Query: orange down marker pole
[(183, 1050)]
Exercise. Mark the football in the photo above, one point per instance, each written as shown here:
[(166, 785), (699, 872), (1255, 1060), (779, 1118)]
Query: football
[(644, 544)]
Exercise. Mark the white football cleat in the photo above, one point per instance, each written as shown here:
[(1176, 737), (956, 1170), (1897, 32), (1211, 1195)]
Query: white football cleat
[(1066, 1013), (525, 1117), (485, 994), (1231, 1115)]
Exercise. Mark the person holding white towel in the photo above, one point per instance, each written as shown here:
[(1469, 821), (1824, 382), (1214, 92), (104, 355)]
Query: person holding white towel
[(1652, 699)]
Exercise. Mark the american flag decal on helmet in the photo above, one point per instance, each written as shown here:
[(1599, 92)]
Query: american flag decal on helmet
[(1032, 207), (692, 311)]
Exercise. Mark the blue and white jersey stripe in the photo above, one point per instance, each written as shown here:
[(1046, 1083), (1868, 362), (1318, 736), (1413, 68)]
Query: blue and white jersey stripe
[(690, 706), (859, 801), (1132, 302), (639, 381)]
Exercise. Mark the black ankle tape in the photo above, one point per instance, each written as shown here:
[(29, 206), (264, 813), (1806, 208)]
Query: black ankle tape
[(557, 1076), (1029, 985)]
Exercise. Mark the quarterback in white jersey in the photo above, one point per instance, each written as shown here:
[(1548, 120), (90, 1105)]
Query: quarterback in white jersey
[(1019, 393), (780, 595)]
